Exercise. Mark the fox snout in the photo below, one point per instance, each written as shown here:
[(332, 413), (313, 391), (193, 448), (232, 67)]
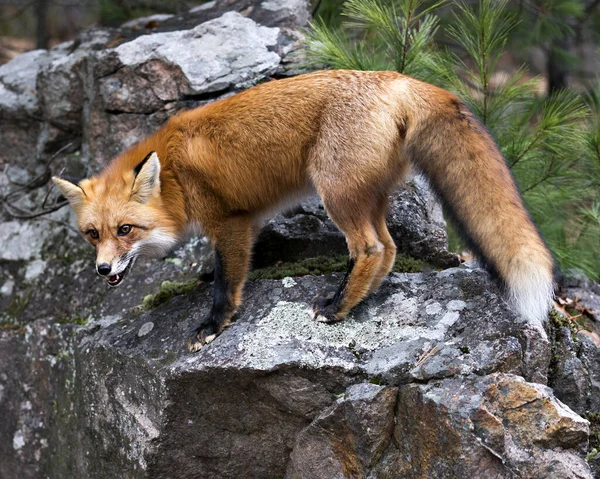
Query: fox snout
[(115, 272)]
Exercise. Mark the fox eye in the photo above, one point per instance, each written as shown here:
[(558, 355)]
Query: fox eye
[(93, 234), (124, 230)]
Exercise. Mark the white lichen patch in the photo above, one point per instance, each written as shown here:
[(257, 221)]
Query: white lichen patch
[(145, 329), (288, 282), (7, 288), (35, 269), (285, 332), (18, 440), (204, 6), (456, 305), (433, 308), (412, 278), (21, 241), (448, 320)]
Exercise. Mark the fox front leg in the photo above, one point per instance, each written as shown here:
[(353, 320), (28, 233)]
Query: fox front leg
[(232, 256), (220, 313)]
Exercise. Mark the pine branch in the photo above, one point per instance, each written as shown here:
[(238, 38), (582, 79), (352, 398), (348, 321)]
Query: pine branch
[(406, 33)]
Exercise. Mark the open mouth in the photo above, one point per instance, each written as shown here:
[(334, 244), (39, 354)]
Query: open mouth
[(116, 279)]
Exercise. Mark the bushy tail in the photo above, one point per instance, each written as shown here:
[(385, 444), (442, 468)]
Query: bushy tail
[(460, 158)]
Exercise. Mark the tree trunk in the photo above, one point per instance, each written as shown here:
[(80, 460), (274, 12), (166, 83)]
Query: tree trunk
[(42, 23)]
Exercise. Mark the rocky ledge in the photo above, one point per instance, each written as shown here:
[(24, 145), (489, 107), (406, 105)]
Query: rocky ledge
[(427, 378)]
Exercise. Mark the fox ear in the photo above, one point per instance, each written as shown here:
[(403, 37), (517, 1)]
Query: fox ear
[(147, 178), (71, 190)]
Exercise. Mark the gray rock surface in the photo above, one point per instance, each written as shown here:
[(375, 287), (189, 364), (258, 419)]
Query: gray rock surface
[(575, 370), (109, 89), (266, 388)]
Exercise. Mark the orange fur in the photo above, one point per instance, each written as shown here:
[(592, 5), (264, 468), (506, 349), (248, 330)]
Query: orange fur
[(349, 135)]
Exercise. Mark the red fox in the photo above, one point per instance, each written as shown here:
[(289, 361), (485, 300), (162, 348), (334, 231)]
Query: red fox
[(350, 136)]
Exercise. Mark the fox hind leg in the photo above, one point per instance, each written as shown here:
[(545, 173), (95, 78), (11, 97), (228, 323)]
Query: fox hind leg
[(389, 247), (366, 257)]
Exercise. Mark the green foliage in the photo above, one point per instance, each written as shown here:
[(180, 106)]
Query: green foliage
[(75, 319), (313, 266), (551, 144), (404, 31), (327, 11), (552, 19)]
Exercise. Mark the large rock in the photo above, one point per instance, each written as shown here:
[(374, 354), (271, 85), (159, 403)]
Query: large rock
[(575, 369), (260, 399), (139, 81), (19, 106), (108, 89), (348, 438), (484, 427)]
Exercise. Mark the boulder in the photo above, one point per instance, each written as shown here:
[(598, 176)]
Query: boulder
[(417, 370), (138, 81), (109, 88), (480, 426), (19, 106)]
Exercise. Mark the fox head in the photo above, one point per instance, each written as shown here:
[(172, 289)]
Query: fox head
[(121, 214)]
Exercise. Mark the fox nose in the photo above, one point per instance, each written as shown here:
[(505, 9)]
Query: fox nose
[(103, 269)]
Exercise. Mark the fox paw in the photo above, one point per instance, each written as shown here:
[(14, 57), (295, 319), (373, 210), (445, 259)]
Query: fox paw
[(325, 309), (203, 335)]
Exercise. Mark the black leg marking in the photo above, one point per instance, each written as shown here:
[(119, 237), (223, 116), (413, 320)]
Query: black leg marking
[(327, 306), (217, 319)]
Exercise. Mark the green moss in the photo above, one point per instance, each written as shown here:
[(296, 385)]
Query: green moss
[(594, 418), (9, 326), (17, 305), (558, 321), (464, 350), (75, 319), (376, 380), (168, 358), (408, 264), (326, 265), (313, 266), (62, 354), (166, 291)]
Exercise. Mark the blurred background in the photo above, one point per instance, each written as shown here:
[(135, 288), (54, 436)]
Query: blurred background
[(558, 38), (27, 25)]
